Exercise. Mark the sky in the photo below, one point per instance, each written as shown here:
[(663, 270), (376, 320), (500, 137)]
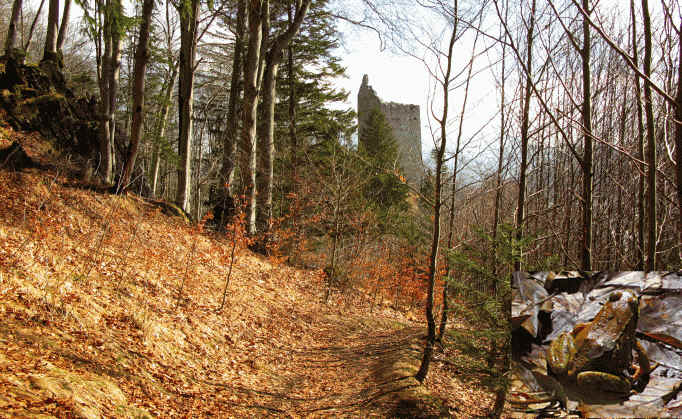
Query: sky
[(398, 77)]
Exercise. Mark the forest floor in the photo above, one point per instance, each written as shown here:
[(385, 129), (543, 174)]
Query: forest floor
[(111, 308)]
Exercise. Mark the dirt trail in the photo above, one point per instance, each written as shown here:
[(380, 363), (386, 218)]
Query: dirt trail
[(350, 372)]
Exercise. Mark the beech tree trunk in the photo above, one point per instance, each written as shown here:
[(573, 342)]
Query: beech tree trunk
[(257, 9), (11, 40), (50, 50), (139, 72), (64, 27), (232, 126), (114, 75), (104, 76), (293, 140), (189, 20), (266, 144)]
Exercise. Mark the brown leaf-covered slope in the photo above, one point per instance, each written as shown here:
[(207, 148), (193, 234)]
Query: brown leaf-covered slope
[(96, 321)]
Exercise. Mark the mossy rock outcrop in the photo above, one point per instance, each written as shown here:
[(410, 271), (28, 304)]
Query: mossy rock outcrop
[(36, 98)]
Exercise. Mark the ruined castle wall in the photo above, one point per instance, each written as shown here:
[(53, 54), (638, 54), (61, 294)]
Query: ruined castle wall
[(405, 123)]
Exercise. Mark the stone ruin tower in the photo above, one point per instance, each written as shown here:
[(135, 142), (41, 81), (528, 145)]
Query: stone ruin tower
[(406, 125)]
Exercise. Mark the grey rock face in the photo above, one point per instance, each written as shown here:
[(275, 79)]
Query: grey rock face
[(406, 125)]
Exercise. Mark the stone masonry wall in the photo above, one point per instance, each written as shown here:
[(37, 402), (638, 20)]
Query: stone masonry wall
[(406, 125)]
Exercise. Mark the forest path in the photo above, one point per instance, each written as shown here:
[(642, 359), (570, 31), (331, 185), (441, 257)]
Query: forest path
[(351, 371)]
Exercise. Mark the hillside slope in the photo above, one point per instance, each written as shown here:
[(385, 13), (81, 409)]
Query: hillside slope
[(110, 308)]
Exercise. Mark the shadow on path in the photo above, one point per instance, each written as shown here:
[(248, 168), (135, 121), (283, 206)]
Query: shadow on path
[(354, 372)]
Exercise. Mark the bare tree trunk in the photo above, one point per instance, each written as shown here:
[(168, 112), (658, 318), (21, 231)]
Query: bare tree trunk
[(257, 9), (651, 141), (139, 71), (189, 19), (197, 187), (588, 147), (524, 133), (266, 144), (232, 123), (106, 160), (293, 140), (11, 40), (50, 50), (64, 27)]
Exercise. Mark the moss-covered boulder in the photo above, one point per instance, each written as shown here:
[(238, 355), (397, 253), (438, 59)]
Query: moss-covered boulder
[(36, 98)]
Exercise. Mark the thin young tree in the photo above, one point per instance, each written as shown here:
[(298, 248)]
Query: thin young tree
[(437, 200), (171, 61), (456, 157), (525, 123), (640, 144), (588, 175), (651, 141)]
